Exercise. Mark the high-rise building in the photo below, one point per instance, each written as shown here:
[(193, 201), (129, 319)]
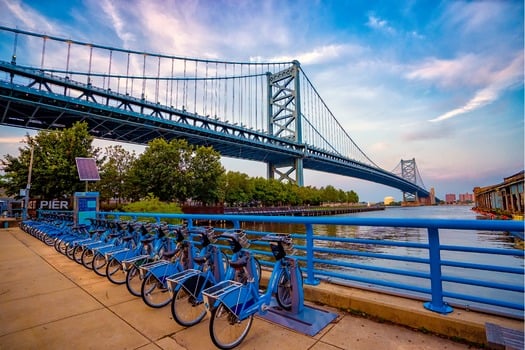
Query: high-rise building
[(466, 197), (450, 198)]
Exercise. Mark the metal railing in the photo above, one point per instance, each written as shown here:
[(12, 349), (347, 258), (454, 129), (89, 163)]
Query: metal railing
[(424, 273)]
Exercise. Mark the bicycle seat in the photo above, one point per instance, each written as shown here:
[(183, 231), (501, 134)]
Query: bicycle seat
[(170, 254), (147, 240), (239, 264), (201, 259), (127, 238)]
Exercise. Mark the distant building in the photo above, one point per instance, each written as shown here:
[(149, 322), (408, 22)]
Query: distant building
[(450, 198), (388, 200), (506, 197), (466, 197)]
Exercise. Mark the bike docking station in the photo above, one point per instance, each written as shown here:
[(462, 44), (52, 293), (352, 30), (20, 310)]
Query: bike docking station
[(281, 303), (301, 318)]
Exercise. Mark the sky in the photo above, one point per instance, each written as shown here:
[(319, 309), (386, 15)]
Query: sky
[(438, 81)]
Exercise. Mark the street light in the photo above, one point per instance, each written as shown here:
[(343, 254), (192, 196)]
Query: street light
[(28, 186)]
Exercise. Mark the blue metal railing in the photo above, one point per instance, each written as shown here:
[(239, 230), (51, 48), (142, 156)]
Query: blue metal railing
[(443, 284)]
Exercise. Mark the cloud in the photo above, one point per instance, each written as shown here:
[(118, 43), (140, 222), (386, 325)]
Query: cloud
[(501, 80), (318, 55), (117, 22), (377, 23), (487, 76), (21, 13)]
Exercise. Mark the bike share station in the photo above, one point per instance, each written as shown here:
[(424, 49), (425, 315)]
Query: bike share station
[(301, 318)]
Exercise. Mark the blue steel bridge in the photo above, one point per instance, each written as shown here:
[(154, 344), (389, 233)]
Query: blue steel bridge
[(262, 111)]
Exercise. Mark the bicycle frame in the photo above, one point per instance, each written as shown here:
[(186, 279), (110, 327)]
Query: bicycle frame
[(244, 300)]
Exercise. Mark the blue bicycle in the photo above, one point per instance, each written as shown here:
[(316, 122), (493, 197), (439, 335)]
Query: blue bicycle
[(233, 304), (187, 305)]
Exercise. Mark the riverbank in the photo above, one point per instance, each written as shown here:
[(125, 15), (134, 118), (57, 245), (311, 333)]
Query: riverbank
[(301, 211)]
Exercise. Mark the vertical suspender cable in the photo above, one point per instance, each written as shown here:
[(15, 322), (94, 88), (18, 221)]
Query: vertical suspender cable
[(43, 52), (171, 82), (184, 101), (67, 58), (205, 94), (157, 83), (143, 94), (90, 61), (233, 95), (195, 89), (127, 75), (109, 68), (217, 89)]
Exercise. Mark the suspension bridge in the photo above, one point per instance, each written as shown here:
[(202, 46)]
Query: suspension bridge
[(268, 112)]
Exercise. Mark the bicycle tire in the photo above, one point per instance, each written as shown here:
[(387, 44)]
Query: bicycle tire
[(49, 240), (189, 309), (69, 251), (226, 330), (87, 258), (99, 264), (115, 272), (133, 281), (77, 253), (154, 293), (285, 291)]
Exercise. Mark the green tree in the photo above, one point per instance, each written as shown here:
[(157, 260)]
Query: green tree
[(238, 188), (114, 173), (176, 170), (205, 175), (54, 171)]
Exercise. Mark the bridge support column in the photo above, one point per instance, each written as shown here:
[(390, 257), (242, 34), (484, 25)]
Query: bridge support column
[(284, 120)]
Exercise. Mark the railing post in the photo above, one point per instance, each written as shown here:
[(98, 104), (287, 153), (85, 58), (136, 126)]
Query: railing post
[(310, 278), (436, 287), (236, 224)]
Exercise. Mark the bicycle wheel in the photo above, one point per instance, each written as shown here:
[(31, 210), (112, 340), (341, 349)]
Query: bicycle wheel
[(226, 330), (154, 293), (49, 240), (133, 281), (69, 251), (115, 272), (60, 246), (99, 264), (87, 258), (285, 288), (188, 309), (77, 253)]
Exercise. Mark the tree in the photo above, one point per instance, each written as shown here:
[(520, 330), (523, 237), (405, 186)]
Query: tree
[(238, 188), (175, 170), (114, 173), (205, 175), (54, 171)]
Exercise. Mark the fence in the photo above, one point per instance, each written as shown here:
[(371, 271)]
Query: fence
[(443, 275)]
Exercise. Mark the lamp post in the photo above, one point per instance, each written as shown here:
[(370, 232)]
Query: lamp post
[(28, 186)]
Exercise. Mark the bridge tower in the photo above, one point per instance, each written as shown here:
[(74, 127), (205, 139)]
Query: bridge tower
[(409, 172), (284, 120)]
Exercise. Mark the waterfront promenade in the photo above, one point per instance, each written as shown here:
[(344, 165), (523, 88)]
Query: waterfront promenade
[(50, 302)]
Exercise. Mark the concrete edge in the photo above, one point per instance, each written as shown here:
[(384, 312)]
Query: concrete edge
[(460, 325)]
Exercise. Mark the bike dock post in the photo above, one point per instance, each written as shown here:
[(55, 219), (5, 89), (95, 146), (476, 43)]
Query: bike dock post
[(302, 318)]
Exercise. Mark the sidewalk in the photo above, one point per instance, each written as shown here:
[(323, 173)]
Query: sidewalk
[(48, 301)]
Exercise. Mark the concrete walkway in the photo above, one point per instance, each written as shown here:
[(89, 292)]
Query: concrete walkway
[(48, 301)]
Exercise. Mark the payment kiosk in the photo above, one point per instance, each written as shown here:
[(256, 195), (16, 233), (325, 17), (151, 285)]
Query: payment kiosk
[(85, 206)]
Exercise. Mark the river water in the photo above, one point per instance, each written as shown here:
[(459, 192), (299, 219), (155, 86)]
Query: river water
[(482, 239)]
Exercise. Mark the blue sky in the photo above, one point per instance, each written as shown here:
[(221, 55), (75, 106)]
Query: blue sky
[(441, 82)]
